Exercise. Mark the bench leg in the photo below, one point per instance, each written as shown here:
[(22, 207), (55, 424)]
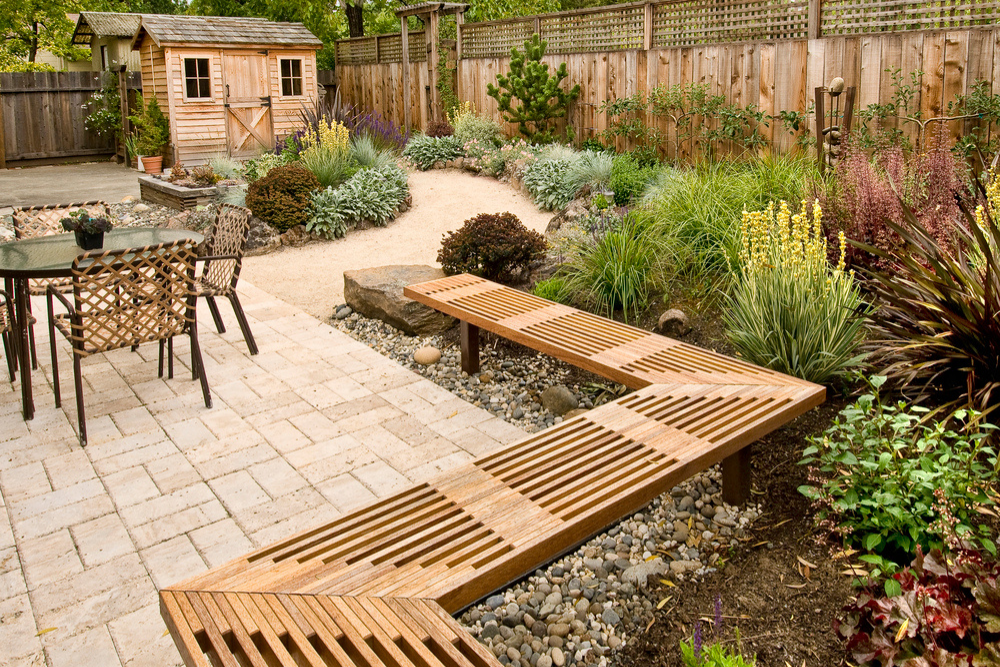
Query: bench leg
[(470, 348), (736, 477)]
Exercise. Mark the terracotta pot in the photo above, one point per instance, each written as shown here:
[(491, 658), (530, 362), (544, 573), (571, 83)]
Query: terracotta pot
[(152, 164)]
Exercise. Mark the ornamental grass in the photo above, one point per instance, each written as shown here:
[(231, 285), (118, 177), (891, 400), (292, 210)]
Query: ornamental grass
[(789, 309)]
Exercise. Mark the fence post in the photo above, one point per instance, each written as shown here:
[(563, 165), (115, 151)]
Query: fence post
[(378, 57), (459, 22), (647, 24), (538, 27), (123, 105), (404, 38), (432, 31), (3, 138), (815, 19)]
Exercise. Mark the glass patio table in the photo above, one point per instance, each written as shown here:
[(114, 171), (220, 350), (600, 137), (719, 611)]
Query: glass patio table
[(52, 257)]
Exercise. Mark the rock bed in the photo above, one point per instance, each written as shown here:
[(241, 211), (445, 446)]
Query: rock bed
[(581, 608), (585, 605), (509, 390)]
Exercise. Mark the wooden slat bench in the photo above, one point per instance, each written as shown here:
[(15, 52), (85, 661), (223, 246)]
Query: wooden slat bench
[(411, 559)]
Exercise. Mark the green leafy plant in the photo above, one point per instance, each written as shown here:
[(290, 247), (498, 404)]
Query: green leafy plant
[(152, 130), (549, 183), (373, 195), (424, 151), (940, 612), (496, 246), (591, 170), (626, 120), (326, 215), (936, 328), (471, 126), (553, 289), (445, 83), (258, 167), (717, 653), (789, 310), (616, 267), (886, 482), (105, 117), (531, 96), (629, 179), (282, 197)]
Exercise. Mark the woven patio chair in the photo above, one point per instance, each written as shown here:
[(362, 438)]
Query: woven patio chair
[(123, 298), (34, 221), (221, 270), (6, 333)]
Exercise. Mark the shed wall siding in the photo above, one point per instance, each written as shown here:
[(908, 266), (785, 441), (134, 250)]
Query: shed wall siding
[(285, 111), (198, 126)]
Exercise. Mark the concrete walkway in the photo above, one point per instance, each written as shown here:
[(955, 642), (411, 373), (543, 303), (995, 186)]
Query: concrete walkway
[(314, 425), (66, 183)]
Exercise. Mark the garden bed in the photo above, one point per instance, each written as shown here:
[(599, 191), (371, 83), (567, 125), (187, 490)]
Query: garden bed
[(178, 197)]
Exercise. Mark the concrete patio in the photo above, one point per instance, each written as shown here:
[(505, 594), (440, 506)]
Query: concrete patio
[(313, 426)]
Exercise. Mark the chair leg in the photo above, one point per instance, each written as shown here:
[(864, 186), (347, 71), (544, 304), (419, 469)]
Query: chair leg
[(199, 365), (170, 358), (78, 378), (31, 344), (55, 356), (216, 315), (159, 369), (244, 324), (8, 354)]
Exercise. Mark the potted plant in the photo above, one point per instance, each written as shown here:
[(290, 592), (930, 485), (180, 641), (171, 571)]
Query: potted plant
[(150, 136), (89, 231)]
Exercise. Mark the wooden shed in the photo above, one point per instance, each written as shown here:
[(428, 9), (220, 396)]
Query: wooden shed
[(229, 86)]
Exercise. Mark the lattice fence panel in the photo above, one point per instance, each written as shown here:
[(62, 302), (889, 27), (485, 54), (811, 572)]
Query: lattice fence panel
[(713, 21), (848, 17), (356, 51), (489, 40), (616, 29)]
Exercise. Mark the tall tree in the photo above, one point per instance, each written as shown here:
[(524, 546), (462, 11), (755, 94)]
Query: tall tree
[(355, 19), (28, 26)]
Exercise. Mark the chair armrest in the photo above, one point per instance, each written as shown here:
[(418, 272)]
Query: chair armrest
[(51, 291)]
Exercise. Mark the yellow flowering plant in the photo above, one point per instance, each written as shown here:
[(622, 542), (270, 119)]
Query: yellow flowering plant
[(790, 310), (326, 152)]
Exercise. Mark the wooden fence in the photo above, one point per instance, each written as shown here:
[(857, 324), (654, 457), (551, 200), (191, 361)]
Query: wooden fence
[(42, 116), (769, 53)]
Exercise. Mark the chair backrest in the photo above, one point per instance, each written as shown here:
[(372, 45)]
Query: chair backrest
[(32, 221), (127, 297), (229, 237)]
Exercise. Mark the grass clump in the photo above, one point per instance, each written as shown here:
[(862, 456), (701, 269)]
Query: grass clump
[(553, 289)]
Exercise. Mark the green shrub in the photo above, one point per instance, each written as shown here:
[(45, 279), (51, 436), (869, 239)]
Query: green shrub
[(886, 482), (368, 156), (496, 246), (424, 151), (282, 197), (331, 164), (374, 195), (151, 130), (258, 167), (471, 126), (326, 215), (697, 211), (439, 128), (549, 184), (789, 311), (553, 289), (629, 179), (617, 268)]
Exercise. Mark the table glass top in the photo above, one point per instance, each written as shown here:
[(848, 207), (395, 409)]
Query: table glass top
[(52, 256)]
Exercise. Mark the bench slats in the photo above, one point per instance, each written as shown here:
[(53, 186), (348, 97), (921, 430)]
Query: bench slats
[(375, 586)]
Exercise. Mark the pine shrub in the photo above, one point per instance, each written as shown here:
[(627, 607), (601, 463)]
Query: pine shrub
[(282, 197)]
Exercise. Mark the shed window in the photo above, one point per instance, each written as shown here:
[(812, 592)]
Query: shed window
[(196, 80), (291, 77)]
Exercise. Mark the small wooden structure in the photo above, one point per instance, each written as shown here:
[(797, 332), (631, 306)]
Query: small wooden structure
[(229, 86), (109, 36), (429, 13)]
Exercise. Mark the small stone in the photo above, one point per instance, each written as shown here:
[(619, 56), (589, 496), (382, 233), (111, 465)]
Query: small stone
[(343, 313), (427, 355), (614, 642), (127, 199), (495, 601), (486, 376), (490, 630), (544, 661), (837, 85), (559, 630), (610, 617), (513, 654), (708, 511), (140, 208), (558, 659), (684, 566)]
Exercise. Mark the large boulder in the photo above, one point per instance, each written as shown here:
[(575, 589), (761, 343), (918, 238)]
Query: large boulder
[(378, 292)]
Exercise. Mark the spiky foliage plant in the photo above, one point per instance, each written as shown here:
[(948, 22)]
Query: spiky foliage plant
[(530, 95), (789, 310), (937, 326)]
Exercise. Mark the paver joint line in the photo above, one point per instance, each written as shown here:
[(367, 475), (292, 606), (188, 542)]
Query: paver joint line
[(404, 562)]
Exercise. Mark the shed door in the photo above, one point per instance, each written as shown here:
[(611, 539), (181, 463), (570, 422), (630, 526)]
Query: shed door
[(248, 104)]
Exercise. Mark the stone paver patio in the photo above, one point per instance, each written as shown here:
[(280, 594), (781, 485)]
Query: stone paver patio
[(313, 426)]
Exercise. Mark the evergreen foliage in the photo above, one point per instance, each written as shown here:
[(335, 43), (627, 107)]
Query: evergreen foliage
[(531, 95)]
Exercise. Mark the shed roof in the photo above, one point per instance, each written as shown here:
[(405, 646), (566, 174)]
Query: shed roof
[(170, 29), (104, 24)]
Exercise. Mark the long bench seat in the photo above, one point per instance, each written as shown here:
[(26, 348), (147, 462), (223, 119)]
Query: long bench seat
[(437, 547)]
